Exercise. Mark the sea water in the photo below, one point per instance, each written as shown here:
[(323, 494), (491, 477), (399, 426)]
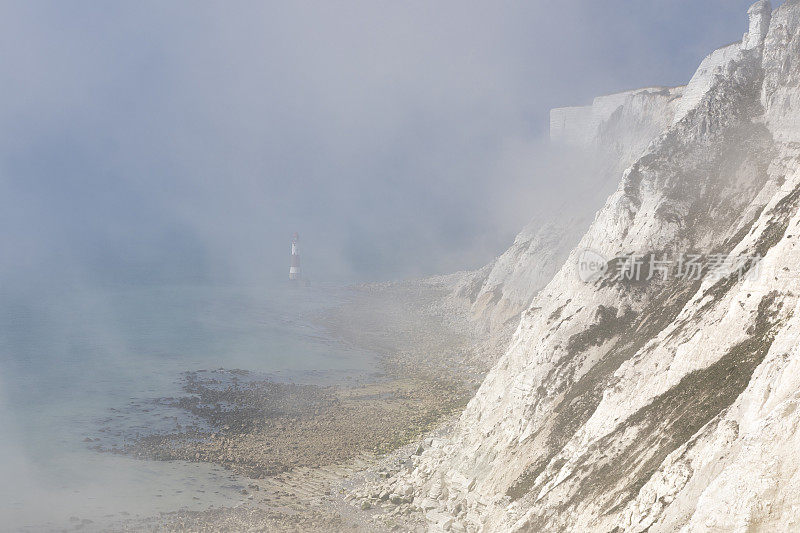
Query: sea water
[(74, 362)]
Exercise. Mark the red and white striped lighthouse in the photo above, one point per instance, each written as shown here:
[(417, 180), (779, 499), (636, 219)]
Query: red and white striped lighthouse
[(294, 266)]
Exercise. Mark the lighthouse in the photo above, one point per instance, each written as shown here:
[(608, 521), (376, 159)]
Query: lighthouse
[(294, 266)]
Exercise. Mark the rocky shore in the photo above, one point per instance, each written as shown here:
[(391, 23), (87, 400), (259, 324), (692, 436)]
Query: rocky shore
[(314, 452), (261, 428)]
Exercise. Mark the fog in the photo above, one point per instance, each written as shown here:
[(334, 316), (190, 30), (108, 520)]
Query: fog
[(157, 142), (149, 144)]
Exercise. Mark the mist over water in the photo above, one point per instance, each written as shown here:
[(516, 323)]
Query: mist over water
[(178, 142), (81, 365)]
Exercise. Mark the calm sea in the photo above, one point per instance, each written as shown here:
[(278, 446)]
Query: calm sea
[(73, 361)]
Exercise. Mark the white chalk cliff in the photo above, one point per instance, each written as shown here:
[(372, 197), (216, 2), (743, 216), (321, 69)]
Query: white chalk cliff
[(663, 404), (612, 133)]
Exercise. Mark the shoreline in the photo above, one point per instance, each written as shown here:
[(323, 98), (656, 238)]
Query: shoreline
[(307, 448)]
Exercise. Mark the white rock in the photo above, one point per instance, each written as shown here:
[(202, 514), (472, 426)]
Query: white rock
[(691, 396)]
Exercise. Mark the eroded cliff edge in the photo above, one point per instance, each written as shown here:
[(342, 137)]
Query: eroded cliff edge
[(607, 136)]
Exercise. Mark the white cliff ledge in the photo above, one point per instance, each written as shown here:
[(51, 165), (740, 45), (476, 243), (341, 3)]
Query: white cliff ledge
[(581, 125)]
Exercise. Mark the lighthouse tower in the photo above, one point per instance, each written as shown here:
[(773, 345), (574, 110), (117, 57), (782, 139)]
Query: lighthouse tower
[(294, 266)]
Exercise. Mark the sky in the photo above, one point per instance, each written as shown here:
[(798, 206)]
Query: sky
[(183, 142)]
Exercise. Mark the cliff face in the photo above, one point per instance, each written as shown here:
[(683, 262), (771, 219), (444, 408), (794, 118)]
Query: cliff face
[(663, 402), (611, 133)]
